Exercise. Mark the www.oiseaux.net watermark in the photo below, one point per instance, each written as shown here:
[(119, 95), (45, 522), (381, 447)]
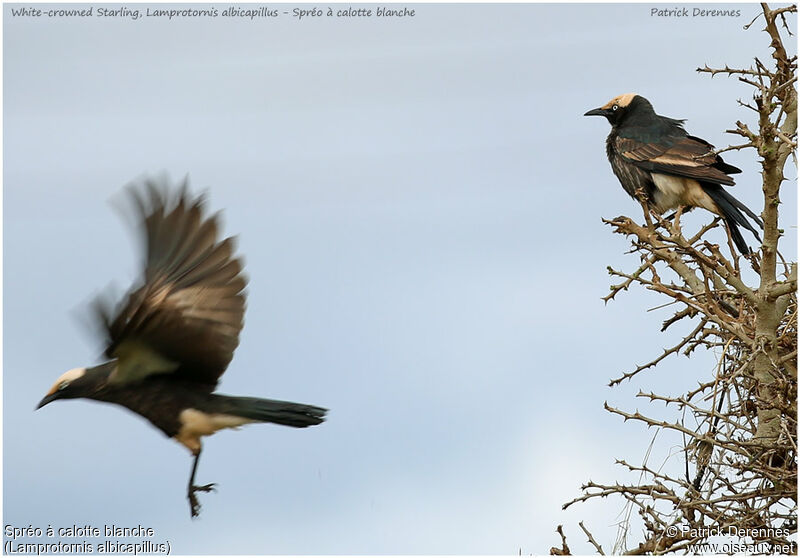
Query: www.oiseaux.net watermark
[(732, 547), (733, 540)]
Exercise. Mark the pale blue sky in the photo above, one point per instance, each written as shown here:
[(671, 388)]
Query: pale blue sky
[(418, 202)]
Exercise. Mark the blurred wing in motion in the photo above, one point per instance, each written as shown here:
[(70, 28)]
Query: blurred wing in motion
[(186, 317)]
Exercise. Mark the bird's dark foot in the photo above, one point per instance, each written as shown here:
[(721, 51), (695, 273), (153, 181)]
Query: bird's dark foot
[(194, 504)]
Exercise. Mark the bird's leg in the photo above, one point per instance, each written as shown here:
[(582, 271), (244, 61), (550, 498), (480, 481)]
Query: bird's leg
[(641, 197), (194, 505)]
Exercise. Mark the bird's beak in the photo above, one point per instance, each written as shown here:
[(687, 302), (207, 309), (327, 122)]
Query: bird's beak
[(47, 399), (597, 112)]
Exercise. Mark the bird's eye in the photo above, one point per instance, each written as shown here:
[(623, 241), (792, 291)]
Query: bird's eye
[(63, 385), (615, 107)]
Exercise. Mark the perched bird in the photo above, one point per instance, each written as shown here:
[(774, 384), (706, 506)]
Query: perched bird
[(173, 336), (655, 155)]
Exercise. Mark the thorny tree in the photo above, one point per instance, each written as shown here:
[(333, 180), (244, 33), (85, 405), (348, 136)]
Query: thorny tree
[(740, 426)]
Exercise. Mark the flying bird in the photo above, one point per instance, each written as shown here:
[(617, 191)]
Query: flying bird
[(655, 155), (174, 334)]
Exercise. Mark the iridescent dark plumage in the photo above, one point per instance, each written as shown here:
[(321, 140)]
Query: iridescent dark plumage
[(655, 155)]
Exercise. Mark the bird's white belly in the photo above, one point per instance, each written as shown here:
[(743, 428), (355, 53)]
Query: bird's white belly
[(674, 191), (195, 424)]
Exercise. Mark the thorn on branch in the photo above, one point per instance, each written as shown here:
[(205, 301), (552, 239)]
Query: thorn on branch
[(665, 354), (591, 539)]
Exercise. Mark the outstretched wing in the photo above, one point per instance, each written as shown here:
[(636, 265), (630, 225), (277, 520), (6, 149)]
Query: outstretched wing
[(186, 317), (686, 156)]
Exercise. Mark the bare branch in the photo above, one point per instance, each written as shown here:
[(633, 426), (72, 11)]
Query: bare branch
[(665, 354), (591, 539), (564, 550)]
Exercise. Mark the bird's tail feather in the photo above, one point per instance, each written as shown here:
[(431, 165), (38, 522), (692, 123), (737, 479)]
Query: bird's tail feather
[(270, 410), (731, 210), (737, 237)]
